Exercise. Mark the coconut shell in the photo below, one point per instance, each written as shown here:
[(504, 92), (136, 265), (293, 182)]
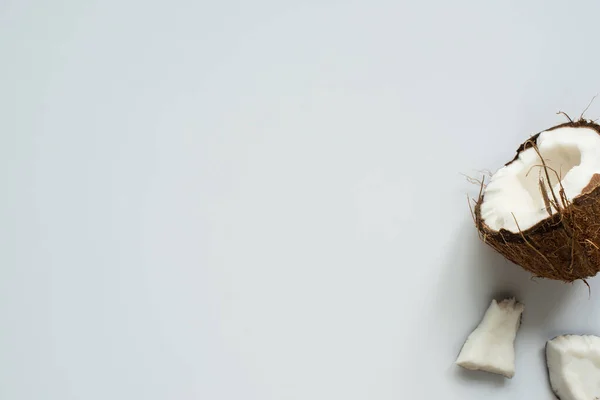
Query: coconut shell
[(564, 246)]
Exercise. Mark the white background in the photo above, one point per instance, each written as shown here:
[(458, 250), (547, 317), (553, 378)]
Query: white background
[(264, 200)]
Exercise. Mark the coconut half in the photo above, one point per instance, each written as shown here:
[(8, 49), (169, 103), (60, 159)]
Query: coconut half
[(574, 367), (542, 209)]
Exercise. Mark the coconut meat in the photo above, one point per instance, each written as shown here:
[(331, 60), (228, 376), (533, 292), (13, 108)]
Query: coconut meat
[(513, 198), (490, 347), (574, 366)]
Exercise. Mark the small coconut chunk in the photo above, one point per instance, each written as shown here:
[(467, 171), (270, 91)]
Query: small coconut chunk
[(490, 347), (574, 366), (517, 197)]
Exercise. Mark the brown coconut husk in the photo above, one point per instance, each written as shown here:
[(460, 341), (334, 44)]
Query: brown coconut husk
[(566, 245)]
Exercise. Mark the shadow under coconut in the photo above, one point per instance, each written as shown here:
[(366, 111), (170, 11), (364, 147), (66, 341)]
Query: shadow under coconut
[(543, 298), (476, 274), (500, 278), (479, 376)]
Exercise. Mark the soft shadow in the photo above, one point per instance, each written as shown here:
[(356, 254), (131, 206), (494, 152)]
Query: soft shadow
[(474, 275), (490, 275), (543, 298), (487, 378), (542, 357)]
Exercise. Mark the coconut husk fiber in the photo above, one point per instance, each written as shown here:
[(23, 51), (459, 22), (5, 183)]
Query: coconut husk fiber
[(566, 245)]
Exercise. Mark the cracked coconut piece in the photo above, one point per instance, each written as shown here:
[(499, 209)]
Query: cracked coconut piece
[(574, 367), (490, 347)]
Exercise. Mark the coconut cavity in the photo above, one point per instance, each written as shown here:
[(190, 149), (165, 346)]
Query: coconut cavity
[(519, 195), (542, 209)]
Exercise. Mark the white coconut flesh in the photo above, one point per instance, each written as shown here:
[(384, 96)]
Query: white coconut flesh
[(490, 347), (574, 367), (513, 198)]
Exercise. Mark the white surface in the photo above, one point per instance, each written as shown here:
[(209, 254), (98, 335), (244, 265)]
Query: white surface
[(574, 366), (513, 197), (263, 200)]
